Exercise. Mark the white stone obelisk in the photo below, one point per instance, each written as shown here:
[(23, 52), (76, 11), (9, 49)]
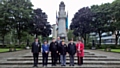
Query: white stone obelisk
[(62, 21)]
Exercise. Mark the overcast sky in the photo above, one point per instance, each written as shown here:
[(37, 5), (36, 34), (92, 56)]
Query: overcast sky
[(72, 6)]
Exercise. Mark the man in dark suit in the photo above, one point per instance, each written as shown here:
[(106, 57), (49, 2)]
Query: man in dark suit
[(59, 42), (36, 48)]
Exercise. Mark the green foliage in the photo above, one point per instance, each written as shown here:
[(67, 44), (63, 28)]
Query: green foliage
[(23, 46), (11, 46), (107, 17), (70, 34), (14, 16), (102, 19), (112, 46), (88, 46), (2, 50), (115, 6)]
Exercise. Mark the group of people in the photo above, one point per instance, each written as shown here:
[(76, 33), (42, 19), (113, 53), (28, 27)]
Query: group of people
[(58, 50)]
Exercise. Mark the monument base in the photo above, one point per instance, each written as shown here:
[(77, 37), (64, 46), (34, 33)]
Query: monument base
[(62, 38)]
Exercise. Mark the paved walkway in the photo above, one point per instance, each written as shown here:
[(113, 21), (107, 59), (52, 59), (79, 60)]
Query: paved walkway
[(108, 54), (3, 56)]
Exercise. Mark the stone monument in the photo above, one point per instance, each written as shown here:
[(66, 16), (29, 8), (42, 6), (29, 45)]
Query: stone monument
[(54, 31), (61, 19)]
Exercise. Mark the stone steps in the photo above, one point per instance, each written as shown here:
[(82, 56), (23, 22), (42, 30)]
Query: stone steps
[(67, 66), (66, 55), (86, 56), (85, 59), (67, 62), (91, 60)]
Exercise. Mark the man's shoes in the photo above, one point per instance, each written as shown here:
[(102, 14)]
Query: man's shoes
[(53, 64), (35, 66)]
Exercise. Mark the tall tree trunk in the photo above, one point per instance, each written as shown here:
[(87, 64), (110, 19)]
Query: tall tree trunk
[(3, 41), (85, 39), (116, 39), (18, 38), (18, 33), (99, 39)]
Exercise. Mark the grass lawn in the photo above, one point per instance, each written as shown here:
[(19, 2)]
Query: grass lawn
[(113, 50), (7, 49)]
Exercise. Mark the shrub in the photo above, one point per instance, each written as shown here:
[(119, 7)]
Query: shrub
[(23, 46), (88, 46), (112, 46)]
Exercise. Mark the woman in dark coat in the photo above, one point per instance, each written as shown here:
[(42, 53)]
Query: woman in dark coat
[(71, 51), (63, 51)]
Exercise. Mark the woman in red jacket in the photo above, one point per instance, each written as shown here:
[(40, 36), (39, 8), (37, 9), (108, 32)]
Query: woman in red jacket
[(80, 51)]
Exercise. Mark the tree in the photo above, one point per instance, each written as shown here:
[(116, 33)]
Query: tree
[(70, 34), (21, 11), (39, 24), (116, 18), (5, 19), (81, 23), (102, 19)]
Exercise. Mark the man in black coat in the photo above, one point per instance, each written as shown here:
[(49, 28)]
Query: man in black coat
[(36, 48), (54, 51), (71, 51)]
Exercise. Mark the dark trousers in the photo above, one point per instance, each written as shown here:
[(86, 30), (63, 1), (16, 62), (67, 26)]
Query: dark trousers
[(58, 58), (35, 57), (45, 58), (71, 59), (80, 60), (54, 58)]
